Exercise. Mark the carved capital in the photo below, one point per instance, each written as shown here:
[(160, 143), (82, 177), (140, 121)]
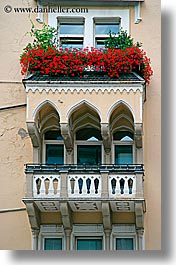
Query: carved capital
[(65, 131), (138, 135), (106, 137), (34, 134)]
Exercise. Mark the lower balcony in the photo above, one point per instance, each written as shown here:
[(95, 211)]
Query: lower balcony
[(83, 194), (84, 181)]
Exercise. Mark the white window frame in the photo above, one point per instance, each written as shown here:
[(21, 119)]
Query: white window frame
[(104, 20), (124, 14), (51, 231), (71, 20)]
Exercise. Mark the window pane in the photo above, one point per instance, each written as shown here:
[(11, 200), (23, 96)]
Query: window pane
[(89, 244), (72, 45), (53, 135), (123, 136), (88, 134), (89, 154), (54, 154), (123, 154), (53, 244), (71, 29), (106, 28), (124, 243), (100, 43)]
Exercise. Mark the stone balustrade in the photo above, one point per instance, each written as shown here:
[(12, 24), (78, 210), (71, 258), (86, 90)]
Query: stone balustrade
[(44, 182)]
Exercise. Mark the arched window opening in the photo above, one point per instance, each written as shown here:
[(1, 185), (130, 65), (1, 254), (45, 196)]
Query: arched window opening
[(53, 135), (123, 136), (88, 134)]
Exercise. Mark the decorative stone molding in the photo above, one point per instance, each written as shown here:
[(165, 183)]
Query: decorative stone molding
[(77, 87), (65, 131), (138, 135), (106, 137), (34, 134)]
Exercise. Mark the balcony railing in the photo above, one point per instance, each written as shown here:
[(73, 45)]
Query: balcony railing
[(84, 167), (84, 181)]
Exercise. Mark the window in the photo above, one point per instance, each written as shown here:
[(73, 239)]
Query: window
[(54, 154), (71, 32), (89, 149), (53, 244), (123, 147), (89, 244), (89, 154), (53, 147), (123, 154), (51, 237), (124, 244), (124, 237), (102, 28)]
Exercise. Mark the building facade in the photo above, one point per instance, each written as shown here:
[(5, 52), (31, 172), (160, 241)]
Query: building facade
[(80, 166)]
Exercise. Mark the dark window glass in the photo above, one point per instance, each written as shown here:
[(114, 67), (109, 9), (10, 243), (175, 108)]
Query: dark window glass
[(88, 134), (106, 28), (89, 244), (123, 154), (124, 243), (123, 136), (53, 244), (89, 154), (71, 28), (53, 135), (54, 154)]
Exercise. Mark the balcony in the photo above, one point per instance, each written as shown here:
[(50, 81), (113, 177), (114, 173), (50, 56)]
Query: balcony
[(84, 181), (105, 190)]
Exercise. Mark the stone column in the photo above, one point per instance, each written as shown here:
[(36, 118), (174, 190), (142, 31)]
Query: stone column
[(67, 233), (140, 235), (107, 239), (35, 233)]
